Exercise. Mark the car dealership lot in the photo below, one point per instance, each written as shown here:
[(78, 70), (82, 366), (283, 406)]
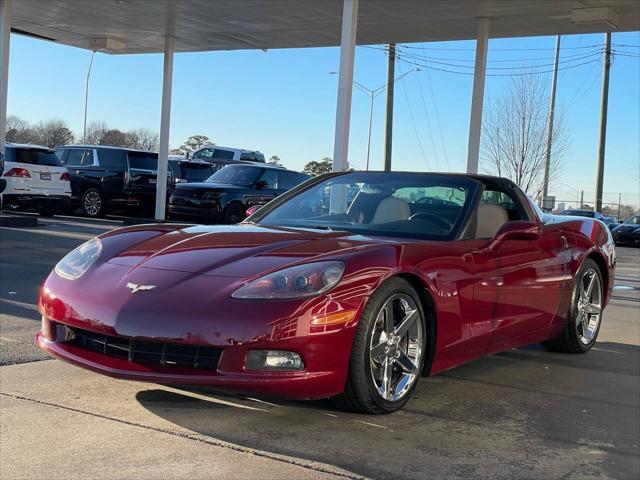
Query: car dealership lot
[(524, 413)]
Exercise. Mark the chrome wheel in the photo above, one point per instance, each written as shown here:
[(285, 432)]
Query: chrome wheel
[(396, 347), (92, 203), (589, 306)]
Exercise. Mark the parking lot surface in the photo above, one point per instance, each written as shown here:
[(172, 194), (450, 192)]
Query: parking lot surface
[(524, 413)]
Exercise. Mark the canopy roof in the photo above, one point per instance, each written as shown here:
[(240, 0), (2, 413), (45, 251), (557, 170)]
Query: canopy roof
[(139, 26)]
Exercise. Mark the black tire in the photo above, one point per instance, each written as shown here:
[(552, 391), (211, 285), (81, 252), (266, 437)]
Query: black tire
[(92, 203), (361, 393), (234, 213), (569, 341), (46, 211)]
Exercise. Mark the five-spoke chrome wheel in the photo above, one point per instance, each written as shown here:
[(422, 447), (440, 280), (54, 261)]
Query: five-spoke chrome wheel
[(589, 305), (396, 347)]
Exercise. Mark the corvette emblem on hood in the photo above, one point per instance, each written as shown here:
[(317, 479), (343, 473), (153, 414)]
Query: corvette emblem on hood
[(135, 288)]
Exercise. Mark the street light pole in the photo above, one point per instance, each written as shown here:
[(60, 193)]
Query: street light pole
[(86, 99), (552, 104), (372, 94)]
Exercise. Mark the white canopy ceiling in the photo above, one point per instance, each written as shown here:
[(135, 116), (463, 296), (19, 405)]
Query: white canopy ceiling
[(139, 26)]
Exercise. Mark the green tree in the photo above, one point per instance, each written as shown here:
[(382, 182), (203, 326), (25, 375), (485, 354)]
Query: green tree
[(275, 160), (318, 168), (194, 142)]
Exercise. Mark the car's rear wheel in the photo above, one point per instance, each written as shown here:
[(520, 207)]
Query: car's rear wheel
[(388, 351), (585, 315), (92, 203), (233, 213)]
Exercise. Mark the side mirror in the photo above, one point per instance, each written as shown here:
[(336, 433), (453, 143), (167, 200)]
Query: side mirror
[(517, 231), (262, 184), (252, 210)]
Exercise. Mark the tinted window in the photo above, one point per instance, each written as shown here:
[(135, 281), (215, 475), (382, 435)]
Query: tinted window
[(204, 153), (111, 158), (60, 154), (191, 172), (74, 159), (252, 156), (33, 156), (223, 154), (143, 160), (236, 174), (289, 180), (271, 177)]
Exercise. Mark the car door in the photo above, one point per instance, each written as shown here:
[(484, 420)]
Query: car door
[(110, 167), (519, 284), (79, 166), (266, 187)]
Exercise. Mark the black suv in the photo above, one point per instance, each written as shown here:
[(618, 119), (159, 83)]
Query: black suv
[(105, 178), (227, 194)]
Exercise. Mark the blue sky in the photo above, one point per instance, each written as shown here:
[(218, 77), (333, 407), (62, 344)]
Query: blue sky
[(283, 101)]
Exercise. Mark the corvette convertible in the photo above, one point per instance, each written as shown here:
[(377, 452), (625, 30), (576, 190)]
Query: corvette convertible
[(350, 286)]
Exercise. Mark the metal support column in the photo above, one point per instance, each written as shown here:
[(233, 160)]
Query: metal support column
[(345, 85), (603, 122), (475, 124), (165, 123), (5, 32)]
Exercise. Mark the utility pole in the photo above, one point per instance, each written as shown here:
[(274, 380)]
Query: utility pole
[(581, 199), (552, 106), (388, 143), (619, 204), (86, 99), (603, 121)]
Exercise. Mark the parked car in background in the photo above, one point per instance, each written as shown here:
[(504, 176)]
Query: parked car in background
[(628, 232), (610, 222), (105, 178), (216, 152), (187, 171), (35, 179), (3, 182), (225, 196)]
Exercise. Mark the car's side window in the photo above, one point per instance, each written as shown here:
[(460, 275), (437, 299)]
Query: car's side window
[(504, 200), (112, 158), (74, 158), (221, 154), (271, 177), (60, 153), (204, 153), (88, 158)]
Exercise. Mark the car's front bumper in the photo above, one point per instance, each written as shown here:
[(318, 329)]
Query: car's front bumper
[(295, 385)]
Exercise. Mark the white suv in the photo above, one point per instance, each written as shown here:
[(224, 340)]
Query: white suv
[(36, 178)]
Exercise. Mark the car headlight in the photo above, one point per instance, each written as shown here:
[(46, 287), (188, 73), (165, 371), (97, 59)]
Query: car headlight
[(300, 281), (78, 261)]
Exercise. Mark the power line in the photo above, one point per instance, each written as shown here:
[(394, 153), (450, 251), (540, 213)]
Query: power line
[(435, 106), (426, 113), (415, 128), (511, 49)]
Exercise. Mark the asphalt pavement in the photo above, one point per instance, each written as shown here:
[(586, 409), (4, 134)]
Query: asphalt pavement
[(525, 413)]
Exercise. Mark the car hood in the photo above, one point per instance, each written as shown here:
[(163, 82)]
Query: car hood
[(236, 251)]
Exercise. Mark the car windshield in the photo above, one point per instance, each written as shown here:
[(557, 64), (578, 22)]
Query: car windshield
[(143, 160), (411, 205), (34, 156), (235, 175), (635, 220)]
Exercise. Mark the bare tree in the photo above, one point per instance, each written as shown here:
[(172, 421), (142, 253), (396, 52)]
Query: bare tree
[(20, 131), (142, 139), (114, 138), (95, 132), (514, 135), (53, 133)]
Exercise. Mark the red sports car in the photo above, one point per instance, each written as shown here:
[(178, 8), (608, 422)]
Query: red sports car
[(352, 285)]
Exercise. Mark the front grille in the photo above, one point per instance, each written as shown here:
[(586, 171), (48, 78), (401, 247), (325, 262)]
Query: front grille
[(153, 353)]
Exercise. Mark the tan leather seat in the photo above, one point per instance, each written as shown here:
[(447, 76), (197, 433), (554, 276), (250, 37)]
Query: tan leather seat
[(490, 218), (391, 209)]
